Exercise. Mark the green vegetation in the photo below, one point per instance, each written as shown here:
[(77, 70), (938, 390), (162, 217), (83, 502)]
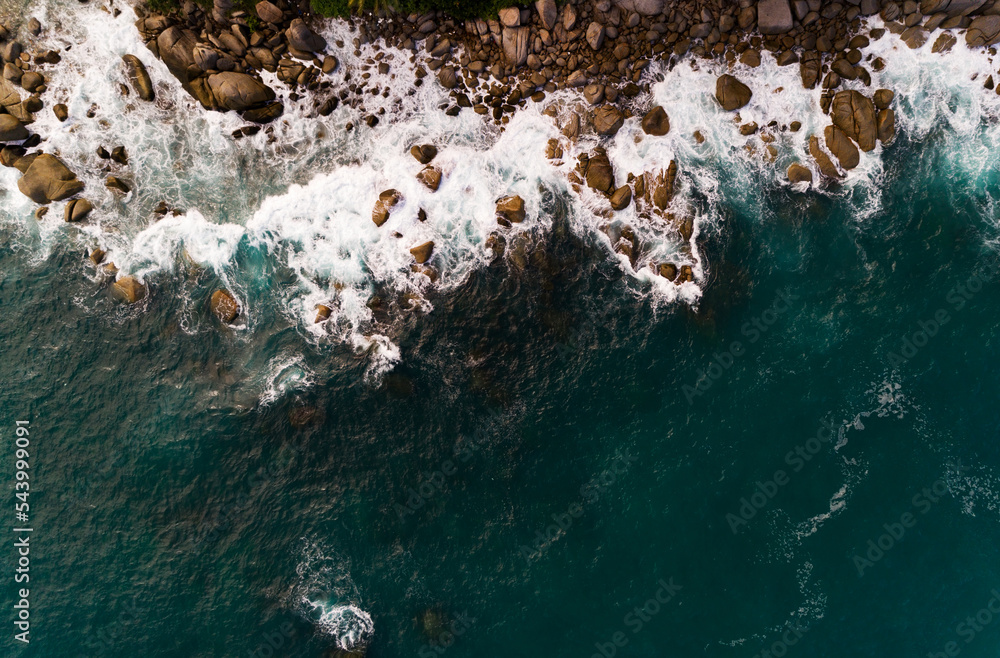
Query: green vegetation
[(462, 9)]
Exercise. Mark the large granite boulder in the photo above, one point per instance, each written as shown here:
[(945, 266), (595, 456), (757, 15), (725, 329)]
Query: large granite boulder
[(656, 122), (826, 166), (48, 179), (302, 38), (798, 173), (11, 130), (842, 147), (600, 173), (268, 12), (548, 13), (855, 115), (983, 31), (239, 91), (516, 41), (774, 16), (176, 49), (731, 93), (608, 120)]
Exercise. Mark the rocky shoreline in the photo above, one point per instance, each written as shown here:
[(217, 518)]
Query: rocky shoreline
[(232, 60)]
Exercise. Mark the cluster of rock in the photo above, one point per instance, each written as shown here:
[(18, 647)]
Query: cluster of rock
[(218, 58)]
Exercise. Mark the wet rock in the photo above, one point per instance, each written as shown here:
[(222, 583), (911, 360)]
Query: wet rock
[(76, 210), (387, 200), (117, 184), (302, 38), (886, 126), (656, 122), (323, 313), (224, 306), (810, 69), (798, 173), (48, 179), (12, 130), (841, 146), (239, 91), (608, 120), (826, 166), (667, 271), (448, 77), (119, 155), (750, 57), (422, 252), (265, 114), (944, 42), (61, 112), (511, 209), (12, 73), (424, 153), (431, 178), (594, 94), (600, 175), (31, 81), (854, 114), (621, 198), (128, 290), (774, 16), (883, 98), (97, 256), (731, 93)]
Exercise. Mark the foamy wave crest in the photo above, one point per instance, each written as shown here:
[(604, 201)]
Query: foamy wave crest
[(325, 594)]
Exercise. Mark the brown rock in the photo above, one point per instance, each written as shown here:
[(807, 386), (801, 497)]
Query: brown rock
[(138, 77), (47, 179), (886, 126), (239, 91), (77, 209), (668, 271), (431, 177), (621, 198), (600, 174), (799, 174), (511, 209), (731, 93), (12, 130), (387, 200), (128, 290), (826, 166), (595, 35), (855, 115), (838, 143), (883, 98), (424, 153), (323, 313), (300, 37), (268, 12), (656, 122), (422, 252), (224, 306), (608, 120)]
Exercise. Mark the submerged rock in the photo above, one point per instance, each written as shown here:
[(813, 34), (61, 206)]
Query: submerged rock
[(224, 306), (128, 290)]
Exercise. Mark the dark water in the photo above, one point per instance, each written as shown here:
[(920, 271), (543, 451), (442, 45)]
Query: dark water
[(174, 515)]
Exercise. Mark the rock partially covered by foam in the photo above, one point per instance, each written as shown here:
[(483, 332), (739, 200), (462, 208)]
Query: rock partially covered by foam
[(138, 76), (731, 93), (855, 115), (128, 290), (48, 179)]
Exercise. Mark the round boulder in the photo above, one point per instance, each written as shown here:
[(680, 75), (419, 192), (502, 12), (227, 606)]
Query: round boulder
[(656, 122), (731, 93)]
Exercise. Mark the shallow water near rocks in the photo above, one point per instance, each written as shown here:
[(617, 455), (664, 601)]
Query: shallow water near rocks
[(530, 450)]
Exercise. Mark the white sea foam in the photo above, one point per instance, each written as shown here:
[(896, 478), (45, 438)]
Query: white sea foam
[(325, 594), (304, 196)]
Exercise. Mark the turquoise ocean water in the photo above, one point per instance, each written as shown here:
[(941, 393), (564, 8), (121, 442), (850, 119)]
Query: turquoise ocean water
[(544, 457)]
